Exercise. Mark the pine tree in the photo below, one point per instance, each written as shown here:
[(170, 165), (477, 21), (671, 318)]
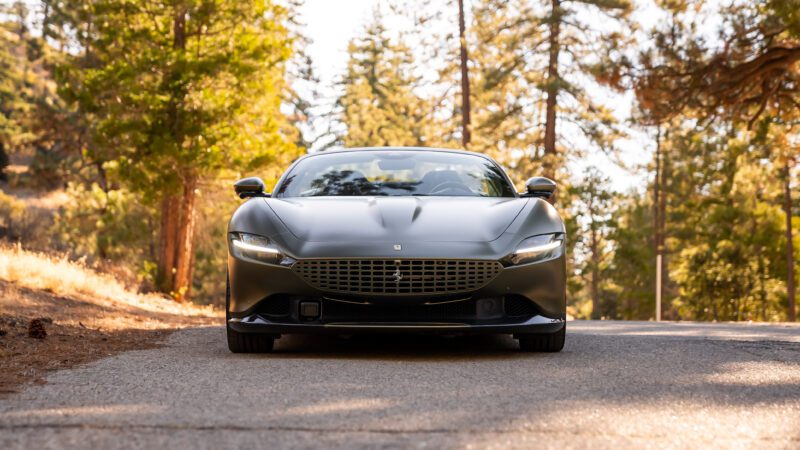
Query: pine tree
[(379, 105), (178, 91), (517, 97), (504, 112), (630, 274), (752, 78), (570, 45), (592, 204)]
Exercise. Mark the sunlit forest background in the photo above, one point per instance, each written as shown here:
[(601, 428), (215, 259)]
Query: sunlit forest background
[(123, 124)]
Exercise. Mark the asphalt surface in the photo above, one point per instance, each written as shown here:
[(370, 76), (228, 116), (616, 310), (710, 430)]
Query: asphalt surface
[(615, 385)]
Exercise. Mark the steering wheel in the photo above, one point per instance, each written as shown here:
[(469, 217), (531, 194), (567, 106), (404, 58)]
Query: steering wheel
[(450, 185)]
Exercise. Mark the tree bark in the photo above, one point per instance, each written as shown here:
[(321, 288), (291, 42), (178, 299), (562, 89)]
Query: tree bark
[(662, 216), (553, 85), (170, 215), (466, 134), (787, 207), (184, 251), (657, 222), (177, 209), (595, 273)]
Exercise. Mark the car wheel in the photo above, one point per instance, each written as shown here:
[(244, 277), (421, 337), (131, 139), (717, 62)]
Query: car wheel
[(244, 342), (551, 342)]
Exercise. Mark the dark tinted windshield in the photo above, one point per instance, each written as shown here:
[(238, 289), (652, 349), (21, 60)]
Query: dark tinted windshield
[(388, 173)]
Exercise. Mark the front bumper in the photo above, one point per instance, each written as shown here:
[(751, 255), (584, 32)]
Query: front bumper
[(266, 298)]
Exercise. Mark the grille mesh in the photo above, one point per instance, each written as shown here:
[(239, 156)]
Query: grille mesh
[(388, 276), (518, 306)]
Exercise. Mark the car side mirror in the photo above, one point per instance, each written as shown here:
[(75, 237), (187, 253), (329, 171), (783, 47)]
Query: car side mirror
[(250, 187), (539, 187)]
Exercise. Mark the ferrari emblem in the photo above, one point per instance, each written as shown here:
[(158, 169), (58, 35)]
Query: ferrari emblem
[(398, 276)]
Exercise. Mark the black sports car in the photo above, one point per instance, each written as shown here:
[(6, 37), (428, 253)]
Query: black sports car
[(395, 240)]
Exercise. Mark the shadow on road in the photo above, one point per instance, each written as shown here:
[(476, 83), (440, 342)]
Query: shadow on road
[(398, 346)]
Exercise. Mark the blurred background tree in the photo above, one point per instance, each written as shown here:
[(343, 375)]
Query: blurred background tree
[(177, 91)]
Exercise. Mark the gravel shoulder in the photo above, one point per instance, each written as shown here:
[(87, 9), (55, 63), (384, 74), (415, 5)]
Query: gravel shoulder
[(616, 384)]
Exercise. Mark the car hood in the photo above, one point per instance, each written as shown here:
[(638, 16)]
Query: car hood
[(397, 219)]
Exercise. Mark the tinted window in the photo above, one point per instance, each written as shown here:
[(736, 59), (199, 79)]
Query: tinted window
[(392, 173)]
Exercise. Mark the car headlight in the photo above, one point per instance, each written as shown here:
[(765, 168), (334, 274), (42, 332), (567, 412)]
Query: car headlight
[(259, 248), (539, 248)]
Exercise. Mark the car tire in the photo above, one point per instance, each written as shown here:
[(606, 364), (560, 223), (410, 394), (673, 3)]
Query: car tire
[(550, 342), (244, 342)]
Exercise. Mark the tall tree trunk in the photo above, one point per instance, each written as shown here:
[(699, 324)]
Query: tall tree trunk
[(787, 207), (184, 250), (170, 215), (46, 21), (172, 267), (595, 273), (662, 217), (657, 216), (553, 86), (466, 134)]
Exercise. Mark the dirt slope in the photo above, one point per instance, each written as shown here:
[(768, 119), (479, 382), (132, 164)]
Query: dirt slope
[(85, 315)]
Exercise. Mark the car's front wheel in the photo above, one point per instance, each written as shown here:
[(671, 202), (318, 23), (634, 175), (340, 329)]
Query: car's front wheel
[(245, 342), (547, 342)]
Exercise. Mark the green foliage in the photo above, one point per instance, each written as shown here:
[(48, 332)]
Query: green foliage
[(725, 245), (181, 90), (216, 206), (379, 104), (107, 225), (731, 267), (12, 216), (503, 86), (630, 289), (19, 222), (591, 203)]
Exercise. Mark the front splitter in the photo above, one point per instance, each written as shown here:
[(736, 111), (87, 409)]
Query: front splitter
[(259, 324)]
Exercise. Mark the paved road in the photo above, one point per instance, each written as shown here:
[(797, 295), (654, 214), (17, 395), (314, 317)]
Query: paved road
[(616, 384)]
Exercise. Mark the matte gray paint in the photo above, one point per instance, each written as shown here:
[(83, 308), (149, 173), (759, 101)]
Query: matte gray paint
[(456, 230), (395, 219), (428, 227)]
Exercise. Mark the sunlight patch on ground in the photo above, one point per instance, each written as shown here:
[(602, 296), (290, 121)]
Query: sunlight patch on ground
[(755, 374), (341, 406), (84, 411)]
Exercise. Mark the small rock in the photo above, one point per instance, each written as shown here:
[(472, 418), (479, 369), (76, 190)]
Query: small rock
[(36, 329)]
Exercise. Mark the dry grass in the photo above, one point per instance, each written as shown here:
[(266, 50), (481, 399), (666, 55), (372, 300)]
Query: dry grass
[(60, 276), (93, 315)]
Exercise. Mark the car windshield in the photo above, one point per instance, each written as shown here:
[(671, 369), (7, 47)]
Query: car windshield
[(395, 173)]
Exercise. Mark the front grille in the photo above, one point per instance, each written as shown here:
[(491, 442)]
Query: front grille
[(397, 277)]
